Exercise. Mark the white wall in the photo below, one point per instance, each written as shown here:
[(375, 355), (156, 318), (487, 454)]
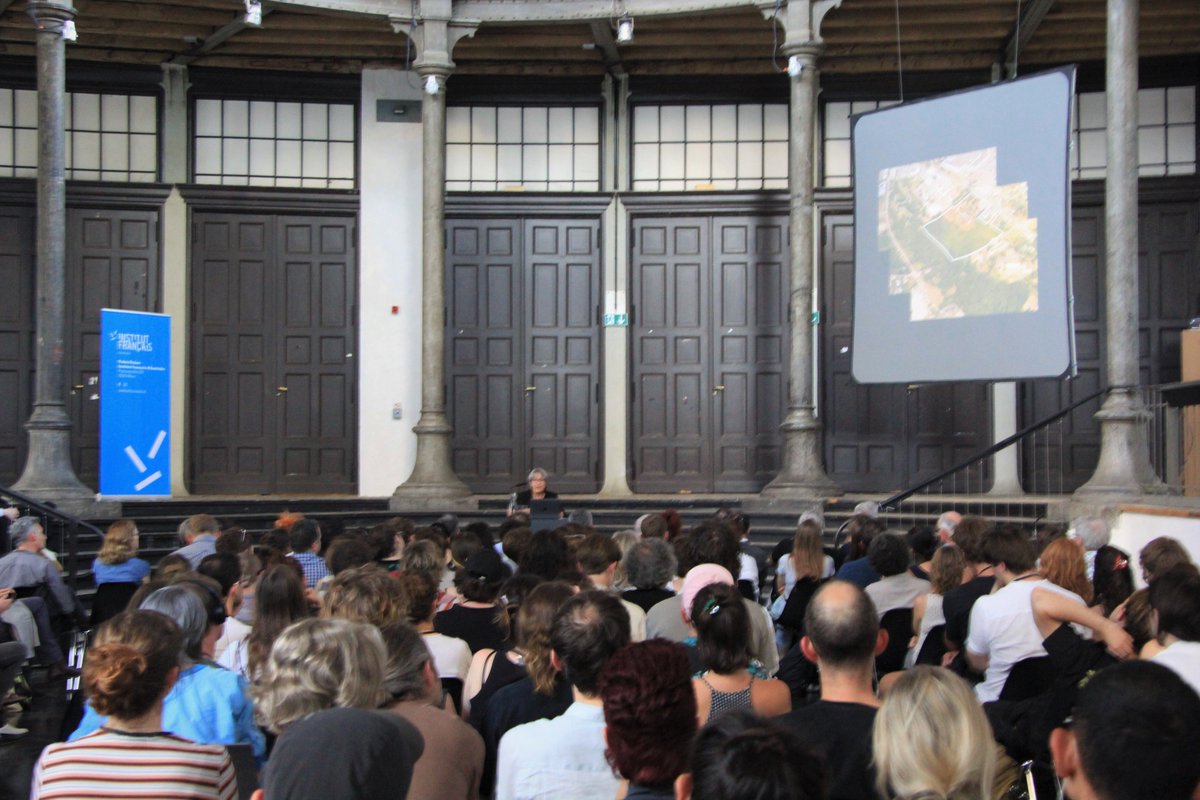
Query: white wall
[(1133, 530), (389, 259)]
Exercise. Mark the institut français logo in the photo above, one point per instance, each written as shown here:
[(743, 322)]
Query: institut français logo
[(132, 342)]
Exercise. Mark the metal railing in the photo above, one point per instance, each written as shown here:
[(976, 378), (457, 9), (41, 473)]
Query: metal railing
[(62, 530)]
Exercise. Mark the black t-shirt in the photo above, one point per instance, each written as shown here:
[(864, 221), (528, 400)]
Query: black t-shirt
[(475, 626), (957, 605), (525, 497), (841, 734)]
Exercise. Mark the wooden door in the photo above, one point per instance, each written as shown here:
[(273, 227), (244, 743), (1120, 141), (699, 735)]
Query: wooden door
[(112, 262), (273, 338), (709, 352), (523, 351), (885, 437), (17, 246)]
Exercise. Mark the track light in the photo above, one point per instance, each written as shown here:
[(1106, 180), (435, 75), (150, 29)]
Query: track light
[(625, 29), (253, 16), (69, 32)]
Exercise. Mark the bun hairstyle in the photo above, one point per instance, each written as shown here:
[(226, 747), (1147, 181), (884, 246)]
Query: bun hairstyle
[(129, 668)]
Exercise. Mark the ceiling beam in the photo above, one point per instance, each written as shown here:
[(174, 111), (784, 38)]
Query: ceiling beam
[(215, 39), (603, 37), (1027, 24)]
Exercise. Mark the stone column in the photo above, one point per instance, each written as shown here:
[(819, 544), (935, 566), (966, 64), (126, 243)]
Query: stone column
[(433, 484), (48, 473), (174, 138), (1006, 471), (1124, 468), (802, 477)]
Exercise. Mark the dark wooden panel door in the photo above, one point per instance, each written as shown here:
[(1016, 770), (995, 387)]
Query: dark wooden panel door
[(17, 246), (1168, 297), (272, 347), (885, 437), (750, 350), (523, 353), (317, 428), (485, 352), (710, 351), (672, 366), (562, 309), (112, 262)]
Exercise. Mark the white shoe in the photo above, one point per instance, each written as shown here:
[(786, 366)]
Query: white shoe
[(12, 730)]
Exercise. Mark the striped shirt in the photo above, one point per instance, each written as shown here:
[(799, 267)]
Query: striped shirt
[(110, 763)]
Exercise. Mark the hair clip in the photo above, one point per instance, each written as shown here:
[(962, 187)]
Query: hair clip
[(1119, 564), (711, 606)]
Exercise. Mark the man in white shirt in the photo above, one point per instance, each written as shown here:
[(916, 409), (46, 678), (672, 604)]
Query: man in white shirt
[(1175, 601), (563, 757), (1002, 630)]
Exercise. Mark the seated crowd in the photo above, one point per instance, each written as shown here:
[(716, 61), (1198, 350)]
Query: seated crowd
[(455, 661)]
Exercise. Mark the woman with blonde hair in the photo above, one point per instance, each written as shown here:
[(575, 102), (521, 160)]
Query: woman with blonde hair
[(807, 559), (117, 561), (932, 740), (317, 664), (1062, 563), (946, 571)]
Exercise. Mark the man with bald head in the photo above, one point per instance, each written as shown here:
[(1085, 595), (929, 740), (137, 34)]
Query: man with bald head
[(842, 637), (946, 524)]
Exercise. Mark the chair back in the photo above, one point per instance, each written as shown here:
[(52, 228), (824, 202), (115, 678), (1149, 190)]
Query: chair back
[(934, 647), (1029, 678), (453, 687), (898, 624), (111, 599)]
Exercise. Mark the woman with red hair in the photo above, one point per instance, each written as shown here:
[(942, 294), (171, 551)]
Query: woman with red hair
[(650, 714)]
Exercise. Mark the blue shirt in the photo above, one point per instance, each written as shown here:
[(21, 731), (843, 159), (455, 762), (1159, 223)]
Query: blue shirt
[(132, 571), (204, 545), (313, 566), (858, 572), (207, 705)]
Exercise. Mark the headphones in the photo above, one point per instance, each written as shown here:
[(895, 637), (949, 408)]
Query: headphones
[(214, 606)]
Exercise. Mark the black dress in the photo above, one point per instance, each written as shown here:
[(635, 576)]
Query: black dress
[(475, 626)]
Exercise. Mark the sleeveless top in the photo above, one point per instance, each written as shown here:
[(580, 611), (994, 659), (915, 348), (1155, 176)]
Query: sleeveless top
[(722, 703), (502, 673)]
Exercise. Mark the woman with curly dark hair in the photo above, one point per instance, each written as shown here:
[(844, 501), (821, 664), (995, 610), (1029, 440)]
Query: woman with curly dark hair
[(650, 714)]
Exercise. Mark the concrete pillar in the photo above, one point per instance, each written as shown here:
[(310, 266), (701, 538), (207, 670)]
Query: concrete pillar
[(1006, 470), (433, 484), (174, 138), (802, 477), (1124, 466), (48, 474)]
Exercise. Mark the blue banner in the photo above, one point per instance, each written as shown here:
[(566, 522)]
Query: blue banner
[(135, 403)]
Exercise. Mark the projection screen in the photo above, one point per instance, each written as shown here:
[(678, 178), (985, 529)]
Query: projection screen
[(962, 235)]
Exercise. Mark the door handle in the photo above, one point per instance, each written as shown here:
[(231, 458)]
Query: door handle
[(77, 387), (720, 387), (531, 388), (281, 388)]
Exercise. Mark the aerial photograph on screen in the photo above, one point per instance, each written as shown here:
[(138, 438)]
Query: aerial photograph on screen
[(960, 245)]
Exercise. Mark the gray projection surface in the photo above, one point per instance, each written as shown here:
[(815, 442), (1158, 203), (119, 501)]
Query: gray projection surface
[(962, 209)]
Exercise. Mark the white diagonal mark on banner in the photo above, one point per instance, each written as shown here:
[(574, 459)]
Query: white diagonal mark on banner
[(158, 440), (142, 484), (137, 462)]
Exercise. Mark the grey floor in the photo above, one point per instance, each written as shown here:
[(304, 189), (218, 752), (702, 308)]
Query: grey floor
[(44, 719)]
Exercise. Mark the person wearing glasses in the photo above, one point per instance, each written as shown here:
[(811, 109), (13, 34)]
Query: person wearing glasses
[(117, 561), (538, 479)]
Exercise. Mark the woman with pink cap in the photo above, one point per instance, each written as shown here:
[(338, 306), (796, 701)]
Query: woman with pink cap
[(731, 679)]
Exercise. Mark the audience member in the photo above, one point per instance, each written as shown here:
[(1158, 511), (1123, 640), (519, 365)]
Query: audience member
[(842, 637), (130, 669), (945, 574), (280, 602), (805, 561), (170, 566), (452, 764), (625, 541), (1002, 630), (451, 657), (1062, 564), (317, 664), (649, 716), (897, 587), (206, 704), (856, 567), (117, 561), (931, 739), (198, 534), (1132, 735), (347, 552), (1091, 533), (26, 568), (728, 683), (1175, 599), (979, 579), (548, 556), (343, 753), (478, 620), (599, 556), (225, 569), (744, 756), (1112, 580), (753, 558), (305, 540), (649, 566), (1159, 555), (946, 525), (564, 756), (365, 594), (923, 542)]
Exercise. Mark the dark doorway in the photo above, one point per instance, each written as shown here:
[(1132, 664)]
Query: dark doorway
[(273, 336), (17, 245), (523, 351), (885, 437), (709, 351)]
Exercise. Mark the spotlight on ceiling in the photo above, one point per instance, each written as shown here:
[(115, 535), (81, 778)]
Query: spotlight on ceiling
[(625, 29), (253, 16)]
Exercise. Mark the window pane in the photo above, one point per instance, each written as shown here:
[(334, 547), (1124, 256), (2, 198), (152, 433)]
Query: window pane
[(671, 123), (237, 118), (562, 125), (587, 126), (508, 125), (645, 124), (724, 123), (1152, 108), (775, 122), (262, 119), (535, 126), (483, 125), (114, 113), (699, 123), (85, 112), (341, 122), (315, 121), (143, 114), (287, 120), (458, 124)]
